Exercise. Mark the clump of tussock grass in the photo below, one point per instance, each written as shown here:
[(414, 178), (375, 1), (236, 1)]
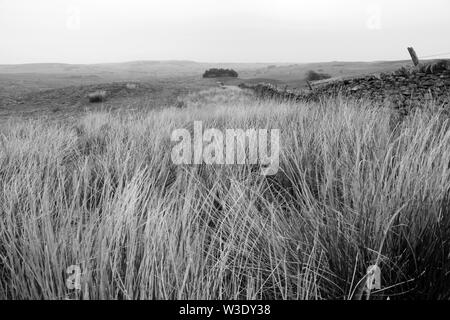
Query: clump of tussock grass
[(131, 86), (97, 96), (103, 194)]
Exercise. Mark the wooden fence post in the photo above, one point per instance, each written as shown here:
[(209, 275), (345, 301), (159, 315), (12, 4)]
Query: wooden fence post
[(414, 57)]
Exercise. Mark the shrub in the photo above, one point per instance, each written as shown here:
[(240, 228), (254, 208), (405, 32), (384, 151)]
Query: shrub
[(180, 104), (97, 96), (312, 75), (131, 86)]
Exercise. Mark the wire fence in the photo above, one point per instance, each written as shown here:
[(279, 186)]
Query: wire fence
[(443, 54)]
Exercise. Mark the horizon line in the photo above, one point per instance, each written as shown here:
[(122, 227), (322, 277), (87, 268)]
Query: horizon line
[(203, 62)]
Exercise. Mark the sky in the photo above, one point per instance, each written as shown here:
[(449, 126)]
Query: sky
[(94, 31)]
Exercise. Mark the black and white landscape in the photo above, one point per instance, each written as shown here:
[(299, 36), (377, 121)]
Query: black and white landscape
[(224, 150)]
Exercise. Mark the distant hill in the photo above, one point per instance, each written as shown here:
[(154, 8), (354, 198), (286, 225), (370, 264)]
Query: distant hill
[(281, 71), (127, 69)]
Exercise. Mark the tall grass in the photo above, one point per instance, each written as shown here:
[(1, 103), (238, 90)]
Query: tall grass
[(355, 188)]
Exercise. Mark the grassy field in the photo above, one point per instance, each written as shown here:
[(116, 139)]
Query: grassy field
[(356, 187)]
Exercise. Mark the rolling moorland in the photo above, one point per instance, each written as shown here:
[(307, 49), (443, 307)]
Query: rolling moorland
[(60, 90), (93, 185)]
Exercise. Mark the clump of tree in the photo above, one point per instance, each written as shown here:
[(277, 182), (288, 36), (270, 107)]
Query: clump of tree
[(312, 75), (218, 73)]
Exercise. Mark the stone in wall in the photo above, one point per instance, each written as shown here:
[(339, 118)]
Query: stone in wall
[(403, 89)]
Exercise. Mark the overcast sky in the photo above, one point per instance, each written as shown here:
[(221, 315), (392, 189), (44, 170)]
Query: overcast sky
[(90, 31)]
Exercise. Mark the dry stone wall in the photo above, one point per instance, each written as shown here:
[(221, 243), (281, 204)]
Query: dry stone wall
[(404, 89)]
